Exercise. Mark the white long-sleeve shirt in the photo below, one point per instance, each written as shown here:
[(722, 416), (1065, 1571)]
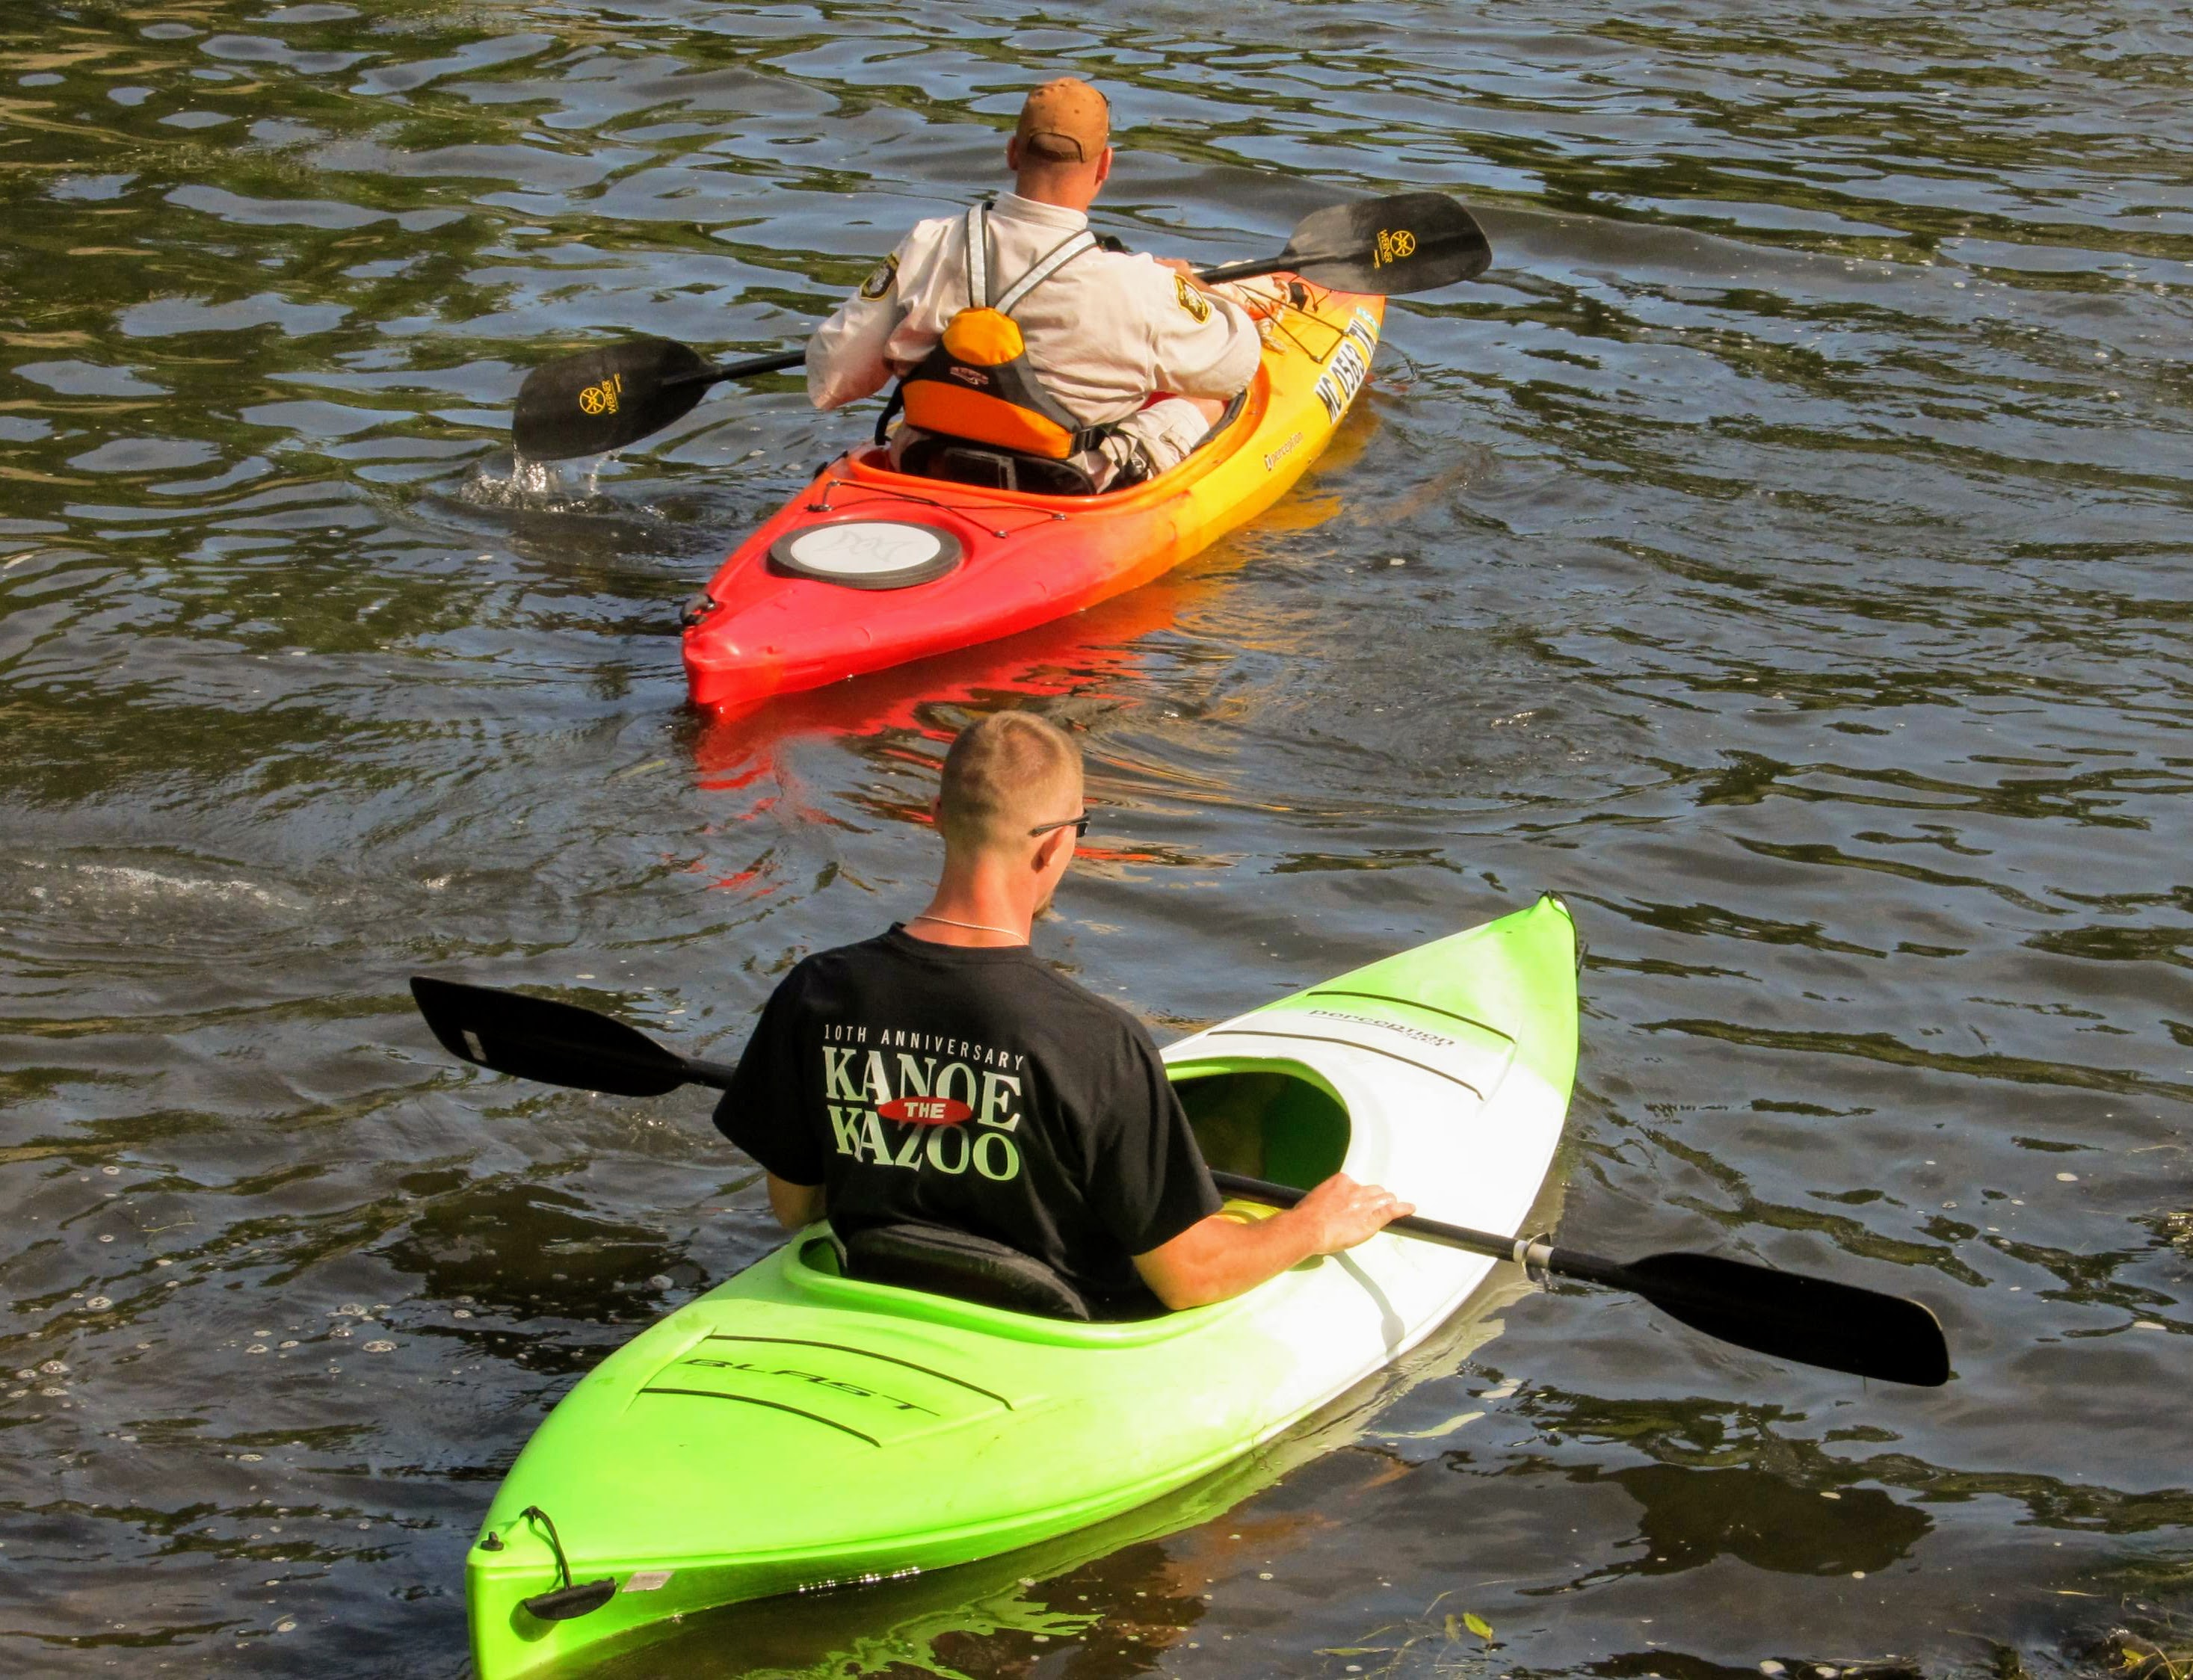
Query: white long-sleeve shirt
[(1103, 334)]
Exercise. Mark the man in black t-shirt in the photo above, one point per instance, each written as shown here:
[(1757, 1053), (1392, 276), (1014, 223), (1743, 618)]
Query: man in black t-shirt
[(939, 1075)]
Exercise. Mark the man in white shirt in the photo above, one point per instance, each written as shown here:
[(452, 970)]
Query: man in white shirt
[(1105, 332)]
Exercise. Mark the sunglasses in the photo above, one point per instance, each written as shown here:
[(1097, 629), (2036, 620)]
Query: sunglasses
[(1080, 826)]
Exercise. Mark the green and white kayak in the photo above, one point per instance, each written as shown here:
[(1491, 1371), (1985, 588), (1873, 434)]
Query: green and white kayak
[(794, 1429)]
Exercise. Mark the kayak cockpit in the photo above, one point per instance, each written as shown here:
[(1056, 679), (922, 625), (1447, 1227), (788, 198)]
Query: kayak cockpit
[(1265, 1122)]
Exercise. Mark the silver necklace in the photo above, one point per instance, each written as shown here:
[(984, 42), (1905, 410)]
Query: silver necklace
[(972, 927)]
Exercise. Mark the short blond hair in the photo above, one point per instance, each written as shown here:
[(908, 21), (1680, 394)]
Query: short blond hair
[(1001, 777)]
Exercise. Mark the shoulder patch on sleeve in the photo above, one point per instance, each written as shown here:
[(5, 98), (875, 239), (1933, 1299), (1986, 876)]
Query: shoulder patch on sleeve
[(882, 280), (1191, 299)]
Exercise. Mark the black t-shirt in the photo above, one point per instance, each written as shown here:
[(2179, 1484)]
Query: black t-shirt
[(974, 1088)]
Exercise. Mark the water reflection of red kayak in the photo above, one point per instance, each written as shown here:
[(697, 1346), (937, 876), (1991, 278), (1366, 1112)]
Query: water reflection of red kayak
[(867, 569)]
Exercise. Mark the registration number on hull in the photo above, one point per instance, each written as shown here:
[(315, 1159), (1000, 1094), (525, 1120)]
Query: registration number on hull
[(1350, 366)]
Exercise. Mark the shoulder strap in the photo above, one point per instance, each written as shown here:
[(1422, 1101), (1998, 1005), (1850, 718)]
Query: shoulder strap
[(892, 404), (978, 256), (1046, 266)]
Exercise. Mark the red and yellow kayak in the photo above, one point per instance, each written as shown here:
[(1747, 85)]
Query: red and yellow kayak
[(867, 567)]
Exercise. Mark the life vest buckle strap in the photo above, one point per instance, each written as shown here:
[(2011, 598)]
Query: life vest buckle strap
[(892, 404), (978, 256)]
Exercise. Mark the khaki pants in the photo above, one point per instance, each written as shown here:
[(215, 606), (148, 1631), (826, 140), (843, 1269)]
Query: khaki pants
[(1159, 436)]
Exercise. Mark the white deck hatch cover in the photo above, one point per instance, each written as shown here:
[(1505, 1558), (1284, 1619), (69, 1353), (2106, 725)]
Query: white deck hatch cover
[(867, 553)]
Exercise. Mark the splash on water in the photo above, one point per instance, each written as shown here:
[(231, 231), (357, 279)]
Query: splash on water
[(127, 883), (539, 486)]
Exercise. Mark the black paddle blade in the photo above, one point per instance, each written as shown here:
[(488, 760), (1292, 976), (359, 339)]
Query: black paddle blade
[(603, 399), (1838, 1326), (1413, 241), (538, 1038)]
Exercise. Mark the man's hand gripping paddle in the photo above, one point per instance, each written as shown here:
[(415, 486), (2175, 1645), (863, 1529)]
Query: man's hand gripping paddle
[(1811, 1320), (600, 400)]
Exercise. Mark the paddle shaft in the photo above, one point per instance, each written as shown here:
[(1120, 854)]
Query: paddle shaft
[(1535, 1254), (717, 1075), (784, 361), (1256, 268), (1523, 1250)]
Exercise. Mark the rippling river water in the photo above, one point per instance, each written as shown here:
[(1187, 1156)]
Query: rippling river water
[(1782, 553)]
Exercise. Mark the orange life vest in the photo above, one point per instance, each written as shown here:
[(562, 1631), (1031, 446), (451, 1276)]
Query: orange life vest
[(977, 384)]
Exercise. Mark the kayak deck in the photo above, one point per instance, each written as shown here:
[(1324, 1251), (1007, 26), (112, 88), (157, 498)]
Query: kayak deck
[(793, 1428), (1019, 559)]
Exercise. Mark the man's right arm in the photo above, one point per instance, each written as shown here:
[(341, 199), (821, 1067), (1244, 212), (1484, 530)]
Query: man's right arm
[(1203, 342), (1218, 1258)]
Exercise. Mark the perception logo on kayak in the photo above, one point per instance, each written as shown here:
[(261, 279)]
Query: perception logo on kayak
[(1350, 365), (838, 1384)]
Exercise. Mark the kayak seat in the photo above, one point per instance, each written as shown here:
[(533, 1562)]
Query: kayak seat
[(956, 1263), (959, 461)]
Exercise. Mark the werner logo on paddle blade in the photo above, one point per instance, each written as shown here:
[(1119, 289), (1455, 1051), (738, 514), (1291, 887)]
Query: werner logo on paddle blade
[(926, 1111)]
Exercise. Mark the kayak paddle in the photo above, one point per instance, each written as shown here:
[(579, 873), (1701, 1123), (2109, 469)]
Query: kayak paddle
[(1813, 1321), (555, 1043), (601, 400), (1411, 242)]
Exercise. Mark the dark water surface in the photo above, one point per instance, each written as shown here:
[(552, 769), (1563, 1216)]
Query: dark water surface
[(1782, 553)]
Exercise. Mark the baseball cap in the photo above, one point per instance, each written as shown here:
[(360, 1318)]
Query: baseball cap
[(1065, 121)]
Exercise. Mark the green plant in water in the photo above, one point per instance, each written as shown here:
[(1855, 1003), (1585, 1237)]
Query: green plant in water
[(2135, 1657), (1453, 1630), (2160, 1646), (912, 1645)]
